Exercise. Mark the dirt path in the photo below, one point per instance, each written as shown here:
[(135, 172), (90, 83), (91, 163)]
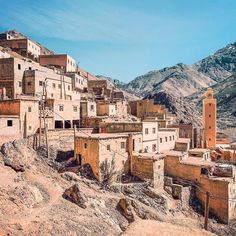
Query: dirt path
[(54, 193)]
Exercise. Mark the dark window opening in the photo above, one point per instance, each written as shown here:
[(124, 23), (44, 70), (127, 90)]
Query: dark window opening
[(9, 123)]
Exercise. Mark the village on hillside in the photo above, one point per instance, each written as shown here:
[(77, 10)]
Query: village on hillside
[(46, 98)]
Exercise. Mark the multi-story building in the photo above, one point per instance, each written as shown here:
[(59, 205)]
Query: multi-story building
[(23, 46), (209, 118), (62, 61)]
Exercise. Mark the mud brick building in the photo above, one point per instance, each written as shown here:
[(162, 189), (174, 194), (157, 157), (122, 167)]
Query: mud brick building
[(209, 119), (18, 118), (109, 151), (62, 61)]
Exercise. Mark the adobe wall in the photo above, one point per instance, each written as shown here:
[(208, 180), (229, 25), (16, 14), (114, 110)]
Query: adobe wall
[(142, 167), (10, 107), (218, 206), (173, 167)]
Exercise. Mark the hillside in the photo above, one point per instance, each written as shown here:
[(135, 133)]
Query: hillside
[(225, 93), (184, 80), (34, 200)]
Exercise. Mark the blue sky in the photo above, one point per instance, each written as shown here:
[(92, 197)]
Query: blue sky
[(125, 38)]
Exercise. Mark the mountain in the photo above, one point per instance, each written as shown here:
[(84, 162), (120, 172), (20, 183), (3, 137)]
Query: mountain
[(177, 105), (184, 80), (225, 93)]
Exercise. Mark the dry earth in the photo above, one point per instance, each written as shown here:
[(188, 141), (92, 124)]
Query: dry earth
[(32, 202)]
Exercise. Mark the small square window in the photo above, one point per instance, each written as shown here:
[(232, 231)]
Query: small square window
[(75, 108), (153, 130), (30, 127), (9, 123), (40, 83), (109, 147), (122, 145), (51, 95), (53, 85), (61, 108), (85, 145), (59, 86), (166, 139), (91, 107), (29, 83), (160, 140), (29, 109), (68, 87), (19, 66), (20, 84), (146, 130), (30, 68), (170, 138)]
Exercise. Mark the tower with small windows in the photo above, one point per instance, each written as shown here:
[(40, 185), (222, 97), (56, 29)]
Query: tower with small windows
[(209, 118)]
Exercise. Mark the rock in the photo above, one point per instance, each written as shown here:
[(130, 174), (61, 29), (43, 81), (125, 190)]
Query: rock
[(74, 195), (125, 206), (70, 176), (11, 157)]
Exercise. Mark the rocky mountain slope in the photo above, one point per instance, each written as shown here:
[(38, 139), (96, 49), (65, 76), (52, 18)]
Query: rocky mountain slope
[(184, 80), (225, 93)]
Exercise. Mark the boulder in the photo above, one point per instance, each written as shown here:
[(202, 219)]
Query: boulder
[(125, 206), (11, 157), (74, 195)]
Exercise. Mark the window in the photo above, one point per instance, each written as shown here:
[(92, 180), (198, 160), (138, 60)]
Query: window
[(146, 130), (30, 68), (153, 130), (91, 107), (209, 139), (61, 108), (9, 123), (85, 145), (29, 109), (210, 104), (209, 127), (19, 66), (30, 127), (68, 87), (170, 138), (122, 144), (139, 140), (166, 139), (53, 85), (51, 95), (59, 86), (173, 137), (40, 83), (75, 108), (209, 115), (160, 140), (20, 84), (154, 147), (29, 83), (108, 147)]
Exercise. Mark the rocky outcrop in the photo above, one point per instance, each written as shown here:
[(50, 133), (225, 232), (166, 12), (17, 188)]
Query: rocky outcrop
[(74, 195), (125, 206), (11, 157)]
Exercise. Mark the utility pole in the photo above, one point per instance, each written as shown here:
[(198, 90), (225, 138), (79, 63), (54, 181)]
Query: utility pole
[(44, 118), (206, 210), (40, 121)]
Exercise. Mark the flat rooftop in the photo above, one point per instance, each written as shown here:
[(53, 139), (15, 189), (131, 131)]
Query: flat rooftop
[(183, 140), (106, 135), (175, 153), (197, 162), (149, 155), (198, 150)]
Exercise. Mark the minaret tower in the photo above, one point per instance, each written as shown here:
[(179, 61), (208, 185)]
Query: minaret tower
[(209, 118)]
